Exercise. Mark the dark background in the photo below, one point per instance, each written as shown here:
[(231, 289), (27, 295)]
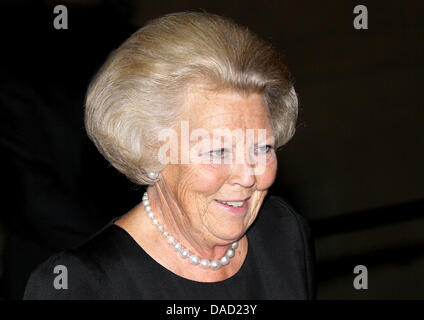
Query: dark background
[(354, 167)]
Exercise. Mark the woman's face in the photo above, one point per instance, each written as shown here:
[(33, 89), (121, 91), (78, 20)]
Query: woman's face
[(219, 191)]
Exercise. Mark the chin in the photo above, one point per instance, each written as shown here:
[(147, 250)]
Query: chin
[(230, 235), (229, 227)]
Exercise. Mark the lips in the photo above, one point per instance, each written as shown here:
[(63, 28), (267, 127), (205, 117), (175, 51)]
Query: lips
[(236, 204), (233, 206)]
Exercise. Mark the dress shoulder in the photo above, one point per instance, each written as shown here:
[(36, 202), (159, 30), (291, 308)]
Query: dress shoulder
[(289, 232), (277, 213), (74, 274)]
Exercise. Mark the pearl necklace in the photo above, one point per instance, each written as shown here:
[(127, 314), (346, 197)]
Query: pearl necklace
[(184, 253)]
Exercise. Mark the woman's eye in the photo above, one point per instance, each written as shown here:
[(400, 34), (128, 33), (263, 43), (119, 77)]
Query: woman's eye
[(218, 152), (264, 149)]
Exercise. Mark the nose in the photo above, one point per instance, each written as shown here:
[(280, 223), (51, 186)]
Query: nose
[(243, 174)]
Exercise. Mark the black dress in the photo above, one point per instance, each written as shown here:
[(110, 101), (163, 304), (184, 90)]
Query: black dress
[(111, 265)]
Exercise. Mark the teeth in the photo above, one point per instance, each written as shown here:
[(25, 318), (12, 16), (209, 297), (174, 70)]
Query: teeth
[(233, 204)]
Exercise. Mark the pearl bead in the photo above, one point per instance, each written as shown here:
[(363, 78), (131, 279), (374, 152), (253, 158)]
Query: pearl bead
[(160, 228), (234, 245), (148, 208), (225, 260), (194, 259), (204, 263), (215, 264), (184, 253), (170, 239), (165, 234), (177, 246), (152, 175), (155, 222), (146, 202), (151, 215), (230, 253)]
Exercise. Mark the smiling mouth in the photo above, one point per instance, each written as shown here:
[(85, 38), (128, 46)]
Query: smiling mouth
[(235, 204)]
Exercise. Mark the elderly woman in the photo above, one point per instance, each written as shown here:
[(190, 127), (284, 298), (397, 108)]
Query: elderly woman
[(194, 106)]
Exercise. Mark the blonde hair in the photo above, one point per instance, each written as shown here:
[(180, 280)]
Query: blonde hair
[(138, 91)]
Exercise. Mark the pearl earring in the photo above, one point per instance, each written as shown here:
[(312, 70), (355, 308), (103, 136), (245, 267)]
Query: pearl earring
[(153, 175)]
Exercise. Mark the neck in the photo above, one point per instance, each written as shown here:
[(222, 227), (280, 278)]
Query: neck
[(166, 210), (140, 227)]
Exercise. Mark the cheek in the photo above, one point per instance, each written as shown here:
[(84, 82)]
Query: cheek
[(265, 180), (208, 179)]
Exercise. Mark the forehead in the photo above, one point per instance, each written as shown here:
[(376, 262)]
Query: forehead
[(209, 110)]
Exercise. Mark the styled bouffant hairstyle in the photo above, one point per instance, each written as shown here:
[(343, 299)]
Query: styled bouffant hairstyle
[(138, 91)]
